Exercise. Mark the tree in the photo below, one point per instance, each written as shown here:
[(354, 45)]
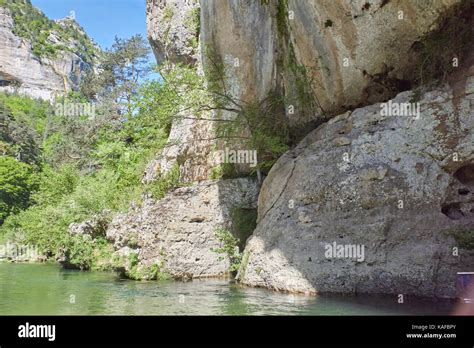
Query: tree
[(259, 125), (17, 137), (122, 68), (16, 185)]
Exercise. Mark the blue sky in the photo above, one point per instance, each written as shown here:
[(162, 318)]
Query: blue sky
[(102, 19)]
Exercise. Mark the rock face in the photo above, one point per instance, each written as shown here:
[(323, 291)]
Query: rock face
[(173, 30), (38, 77), (95, 227), (401, 186), (397, 188), (189, 146), (322, 57), (319, 59), (178, 232)]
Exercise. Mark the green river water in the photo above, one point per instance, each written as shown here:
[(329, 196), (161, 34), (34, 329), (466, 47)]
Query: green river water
[(46, 289)]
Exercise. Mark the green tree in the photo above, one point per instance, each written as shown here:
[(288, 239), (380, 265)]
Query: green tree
[(122, 68), (16, 185), (21, 122)]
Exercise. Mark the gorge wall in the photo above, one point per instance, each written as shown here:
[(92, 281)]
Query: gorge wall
[(323, 57), (26, 71), (400, 186)]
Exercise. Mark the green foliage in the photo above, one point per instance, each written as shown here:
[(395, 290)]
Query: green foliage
[(92, 165), (303, 81), (84, 253), (55, 184), (229, 248), (193, 20), (243, 265), (170, 180), (300, 92), (253, 125), (168, 13), (22, 124), (282, 18), (223, 171), (65, 197), (16, 184), (34, 112), (217, 173), (140, 272), (121, 70)]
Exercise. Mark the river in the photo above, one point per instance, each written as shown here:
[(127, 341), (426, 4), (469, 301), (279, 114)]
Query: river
[(46, 289)]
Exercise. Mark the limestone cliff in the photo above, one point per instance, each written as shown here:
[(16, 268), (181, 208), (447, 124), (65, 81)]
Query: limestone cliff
[(322, 57), (173, 32), (319, 58), (41, 63), (388, 183)]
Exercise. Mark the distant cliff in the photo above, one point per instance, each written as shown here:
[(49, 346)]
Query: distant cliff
[(39, 57)]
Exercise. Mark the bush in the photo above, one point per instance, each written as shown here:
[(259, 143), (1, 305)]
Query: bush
[(229, 248), (170, 180), (85, 253), (136, 272)]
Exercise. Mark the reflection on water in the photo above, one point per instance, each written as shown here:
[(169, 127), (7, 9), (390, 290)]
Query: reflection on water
[(46, 289)]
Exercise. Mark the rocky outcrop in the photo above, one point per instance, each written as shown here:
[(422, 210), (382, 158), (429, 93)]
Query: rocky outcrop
[(39, 77), (321, 57), (173, 30), (95, 227), (177, 233), (402, 187), (190, 146)]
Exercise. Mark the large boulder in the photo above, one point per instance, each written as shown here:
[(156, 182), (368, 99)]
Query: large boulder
[(401, 187)]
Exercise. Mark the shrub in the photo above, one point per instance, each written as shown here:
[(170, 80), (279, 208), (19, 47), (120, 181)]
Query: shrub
[(135, 271), (229, 248), (162, 186)]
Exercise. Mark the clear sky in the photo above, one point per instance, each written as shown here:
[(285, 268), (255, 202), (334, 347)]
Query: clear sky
[(102, 19)]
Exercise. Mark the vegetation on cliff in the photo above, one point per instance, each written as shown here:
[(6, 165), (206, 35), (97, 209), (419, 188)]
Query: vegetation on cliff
[(32, 25)]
